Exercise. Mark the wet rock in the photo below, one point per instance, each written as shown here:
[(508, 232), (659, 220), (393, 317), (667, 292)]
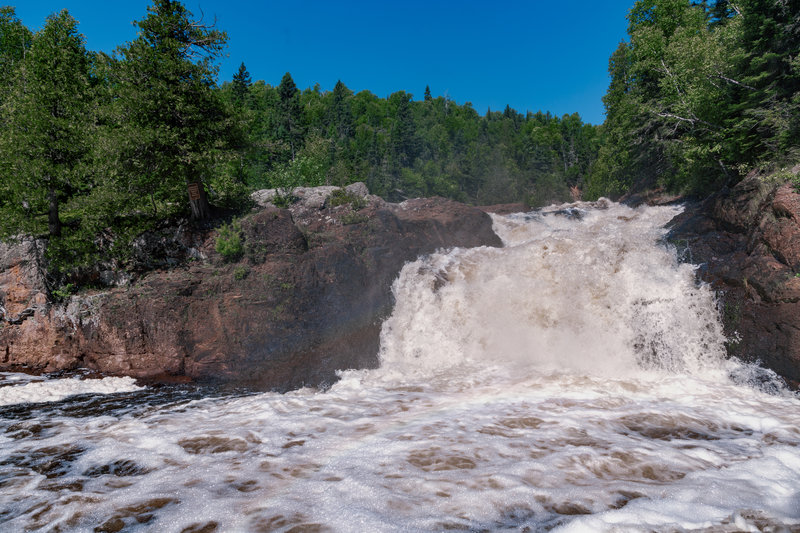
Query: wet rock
[(747, 243), (505, 209)]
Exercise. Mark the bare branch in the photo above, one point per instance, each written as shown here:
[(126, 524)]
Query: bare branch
[(693, 120), (720, 76), (682, 119)]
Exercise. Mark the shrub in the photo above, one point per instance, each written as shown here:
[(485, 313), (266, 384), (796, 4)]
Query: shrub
[(283, 199), (63, 292), (342, 197), (229, 241), (352, 217), (240, 272)]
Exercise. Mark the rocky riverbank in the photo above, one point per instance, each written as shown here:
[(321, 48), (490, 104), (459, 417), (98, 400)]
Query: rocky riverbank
[(308, 296), (746, 240), (306, 299)]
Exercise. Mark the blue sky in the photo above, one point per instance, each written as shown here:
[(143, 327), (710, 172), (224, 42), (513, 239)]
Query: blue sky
[(534, 55)]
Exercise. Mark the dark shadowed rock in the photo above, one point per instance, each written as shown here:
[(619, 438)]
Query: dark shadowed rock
[(307, 299), (747, 241)]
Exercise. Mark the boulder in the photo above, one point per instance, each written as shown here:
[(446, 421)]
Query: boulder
[(308, 197)]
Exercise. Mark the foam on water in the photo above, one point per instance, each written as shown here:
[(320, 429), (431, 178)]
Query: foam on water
[(572, 381), (36, 391), (581, 290)]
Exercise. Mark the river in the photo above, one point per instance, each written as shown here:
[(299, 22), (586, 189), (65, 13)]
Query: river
[(574, 380)]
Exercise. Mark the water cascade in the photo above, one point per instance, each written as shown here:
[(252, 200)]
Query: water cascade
[(574, 380)]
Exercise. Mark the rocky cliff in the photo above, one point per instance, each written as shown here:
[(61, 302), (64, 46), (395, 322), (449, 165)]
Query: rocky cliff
[(306, 299), (746, 240)]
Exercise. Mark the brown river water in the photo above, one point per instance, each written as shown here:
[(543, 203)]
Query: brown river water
[(572, 381)]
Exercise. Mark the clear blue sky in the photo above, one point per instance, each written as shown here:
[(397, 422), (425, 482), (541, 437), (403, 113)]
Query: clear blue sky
[(532, 55)]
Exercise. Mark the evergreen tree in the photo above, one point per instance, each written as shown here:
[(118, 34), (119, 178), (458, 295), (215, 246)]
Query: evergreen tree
[(340, 116), (46, 141), (241, 85), (768, 91), (15, 39), (173, 120), (428, 96), (405, 143), (290, 118)]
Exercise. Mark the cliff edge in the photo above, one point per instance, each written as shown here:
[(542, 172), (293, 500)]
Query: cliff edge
[(307, 297), (746, 240)]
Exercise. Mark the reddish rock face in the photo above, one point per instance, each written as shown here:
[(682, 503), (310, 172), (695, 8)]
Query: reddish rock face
[(747, 241), (307, 300)]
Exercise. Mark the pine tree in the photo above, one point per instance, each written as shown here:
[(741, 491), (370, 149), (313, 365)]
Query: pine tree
[(405, 142), (15, 39), (769, 92), (241, 85), (46, 141), (290, 119), (173, 120), (340, 115)]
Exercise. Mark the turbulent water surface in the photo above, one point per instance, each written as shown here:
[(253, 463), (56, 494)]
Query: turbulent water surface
[(571, 381)]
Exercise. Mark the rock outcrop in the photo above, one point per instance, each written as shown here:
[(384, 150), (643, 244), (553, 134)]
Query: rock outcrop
[(747, 241), (307, 299)]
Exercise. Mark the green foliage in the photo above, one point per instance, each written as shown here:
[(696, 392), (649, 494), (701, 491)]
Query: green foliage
[(700, 92), (290, 128), (229, 243), (342, 197), (306, 170), (15, 39), (159, 153), (549, 190), (241, 84), (46, 150), (91, 157), (63, 292), (403, 148), (784, 175), (240, 272), (352, 217), (99, 149)]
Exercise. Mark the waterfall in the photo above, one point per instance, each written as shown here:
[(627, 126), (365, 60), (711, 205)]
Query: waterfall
[(574, 380), (592, 288)]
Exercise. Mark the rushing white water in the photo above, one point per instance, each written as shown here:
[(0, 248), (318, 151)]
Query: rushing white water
[(571, 381), (35, 390)]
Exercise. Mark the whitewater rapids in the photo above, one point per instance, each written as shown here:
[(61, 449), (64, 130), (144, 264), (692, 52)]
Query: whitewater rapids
[(574, 380)]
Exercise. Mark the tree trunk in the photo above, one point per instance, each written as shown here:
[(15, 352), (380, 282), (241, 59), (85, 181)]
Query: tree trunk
[(53, 222), (201, 210)]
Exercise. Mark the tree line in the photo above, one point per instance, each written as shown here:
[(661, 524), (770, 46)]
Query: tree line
[(96, 148), (404, 148), (700, 94)]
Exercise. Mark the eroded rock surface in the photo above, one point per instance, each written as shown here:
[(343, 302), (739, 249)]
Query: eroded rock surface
[(306, 300), (747, 241)]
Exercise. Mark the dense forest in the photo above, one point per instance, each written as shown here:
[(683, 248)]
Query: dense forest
[(404, 148), (701, 94), (97, 148)]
